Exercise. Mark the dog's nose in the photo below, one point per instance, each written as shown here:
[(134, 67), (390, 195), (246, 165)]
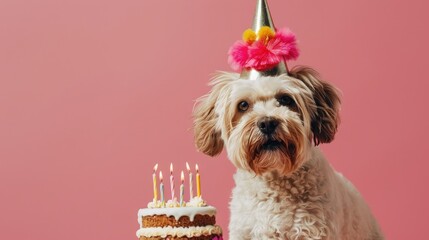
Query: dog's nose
[(267, 125)]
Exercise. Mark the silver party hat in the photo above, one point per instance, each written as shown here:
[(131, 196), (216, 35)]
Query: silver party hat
[(263, 18)]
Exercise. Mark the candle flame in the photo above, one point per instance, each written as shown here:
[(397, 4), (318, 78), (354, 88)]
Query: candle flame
[(182, 176), (196, 167), (155, 168), (160, 176), (187, 167), (171, 168)]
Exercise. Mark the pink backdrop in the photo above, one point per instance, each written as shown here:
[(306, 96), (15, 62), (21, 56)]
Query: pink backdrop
[(94, 93)]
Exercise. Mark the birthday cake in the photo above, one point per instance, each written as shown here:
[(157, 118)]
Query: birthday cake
[(178, 220), (196, 221)]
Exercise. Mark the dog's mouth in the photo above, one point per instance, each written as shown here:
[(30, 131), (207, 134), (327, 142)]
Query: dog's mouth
[(273, 153), (277, 145), (271, 145)]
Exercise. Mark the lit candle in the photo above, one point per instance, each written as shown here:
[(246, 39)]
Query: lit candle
[(171, 182), (161, 189), (155, 187), (191, 182), (198, 181), (182, 188)]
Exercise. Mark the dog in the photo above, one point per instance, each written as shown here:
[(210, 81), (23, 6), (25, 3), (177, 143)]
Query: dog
[(285, 188)]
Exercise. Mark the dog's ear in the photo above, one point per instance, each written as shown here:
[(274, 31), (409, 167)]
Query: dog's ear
[(325, 119), (207, 134)]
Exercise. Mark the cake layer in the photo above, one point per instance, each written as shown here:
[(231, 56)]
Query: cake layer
[(179, 232), (211, 237), (179, 212), (184, 221)]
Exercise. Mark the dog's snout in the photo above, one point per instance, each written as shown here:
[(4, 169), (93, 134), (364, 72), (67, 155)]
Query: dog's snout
[(267, 125)]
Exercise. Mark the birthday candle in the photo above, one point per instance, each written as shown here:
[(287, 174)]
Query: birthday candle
[(171, 182), (155, 187), (161, 189), (191, 182), (182, 188), (198, 181)]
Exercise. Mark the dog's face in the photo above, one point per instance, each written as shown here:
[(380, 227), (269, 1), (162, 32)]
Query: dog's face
[(266, 124)]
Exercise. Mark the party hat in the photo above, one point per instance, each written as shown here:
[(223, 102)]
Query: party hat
[(264, 50)]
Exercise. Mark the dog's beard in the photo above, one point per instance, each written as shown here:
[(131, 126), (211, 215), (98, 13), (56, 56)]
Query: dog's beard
[(282, 151)]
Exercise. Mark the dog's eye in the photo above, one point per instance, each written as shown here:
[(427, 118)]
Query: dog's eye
[(243, 106), (285, 100)]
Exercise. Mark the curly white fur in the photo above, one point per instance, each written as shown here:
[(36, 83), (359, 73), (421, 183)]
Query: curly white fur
[(314, 202), (285, 188)]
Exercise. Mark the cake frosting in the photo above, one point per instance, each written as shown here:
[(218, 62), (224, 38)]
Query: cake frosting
[(196, 202), (178, 212)]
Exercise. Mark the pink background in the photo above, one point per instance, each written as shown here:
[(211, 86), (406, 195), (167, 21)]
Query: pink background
[(93, 93)]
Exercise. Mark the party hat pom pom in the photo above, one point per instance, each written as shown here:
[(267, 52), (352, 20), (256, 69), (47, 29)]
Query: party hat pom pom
[(288, 43), (262, 57), (265, 33), (249, 36), (238, 55), (268, 51)]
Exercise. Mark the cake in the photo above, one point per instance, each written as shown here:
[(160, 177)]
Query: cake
[(194, 220)]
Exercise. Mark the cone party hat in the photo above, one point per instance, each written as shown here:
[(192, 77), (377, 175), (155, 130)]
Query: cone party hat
[(263, 50)]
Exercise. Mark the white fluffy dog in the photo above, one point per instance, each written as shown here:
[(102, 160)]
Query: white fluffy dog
[(285, 188)]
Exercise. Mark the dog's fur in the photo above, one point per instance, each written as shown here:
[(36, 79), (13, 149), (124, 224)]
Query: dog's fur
[(285, 189)]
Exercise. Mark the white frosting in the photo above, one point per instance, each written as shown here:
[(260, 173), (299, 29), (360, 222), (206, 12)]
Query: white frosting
[(189, 232), (196, 202), (172, 203), (177, 212), (154, 204)]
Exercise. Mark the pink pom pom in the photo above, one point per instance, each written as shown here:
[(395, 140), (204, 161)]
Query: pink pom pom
[(261, 57), (238, 55), (286, 41)]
